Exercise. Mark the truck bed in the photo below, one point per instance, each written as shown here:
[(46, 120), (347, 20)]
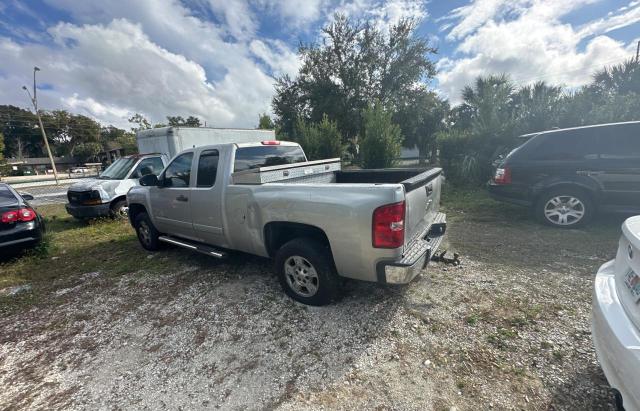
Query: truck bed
[(329, 172)]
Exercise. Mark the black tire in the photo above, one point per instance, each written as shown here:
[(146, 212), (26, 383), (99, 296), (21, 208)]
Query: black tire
[(119, 209), (571, 203), (318, 256), (146, 232)]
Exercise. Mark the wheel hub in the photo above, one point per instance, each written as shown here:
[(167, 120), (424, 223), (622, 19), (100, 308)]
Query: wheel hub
[(564, 210), (301, 276)]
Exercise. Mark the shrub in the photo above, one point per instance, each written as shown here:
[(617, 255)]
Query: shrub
[(319, 140), (382, 140)]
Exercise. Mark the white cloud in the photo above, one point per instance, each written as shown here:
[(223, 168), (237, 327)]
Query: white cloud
[(528, 40), (153, 57), (383, 13)]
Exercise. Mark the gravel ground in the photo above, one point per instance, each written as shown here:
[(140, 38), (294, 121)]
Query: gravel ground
[(509, 329)]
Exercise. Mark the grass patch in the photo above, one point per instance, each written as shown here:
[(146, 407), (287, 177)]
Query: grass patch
[(476, 203), (72, 248)]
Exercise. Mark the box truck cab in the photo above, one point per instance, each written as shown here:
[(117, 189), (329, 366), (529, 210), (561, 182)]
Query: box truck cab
[(106, 195)]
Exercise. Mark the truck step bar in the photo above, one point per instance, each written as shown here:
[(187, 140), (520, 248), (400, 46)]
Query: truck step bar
[(190, 245)]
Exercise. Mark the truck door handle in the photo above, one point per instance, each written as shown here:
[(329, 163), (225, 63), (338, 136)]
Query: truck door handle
[(182, 198)]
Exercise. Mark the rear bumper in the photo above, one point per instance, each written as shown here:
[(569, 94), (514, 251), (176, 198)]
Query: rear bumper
[(21, 234), (416, 256), (92, 211), (616, 338), (508, 194)]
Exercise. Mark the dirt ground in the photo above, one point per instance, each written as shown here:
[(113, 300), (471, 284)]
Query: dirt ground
[(509, 329)]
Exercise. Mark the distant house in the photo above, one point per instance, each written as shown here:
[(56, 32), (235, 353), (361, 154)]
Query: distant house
[(40, 165), (112, 152)]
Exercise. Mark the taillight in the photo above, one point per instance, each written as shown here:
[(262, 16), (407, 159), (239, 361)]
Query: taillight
[(388, 226), (23, 214), (271, 143), (502, 176)]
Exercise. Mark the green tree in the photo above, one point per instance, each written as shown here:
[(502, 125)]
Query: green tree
[(421, 118), (319, 140), (356, 65), (382, 139), (265, 122), (140, 121), (537, 107), (179, 121), (1, 147)]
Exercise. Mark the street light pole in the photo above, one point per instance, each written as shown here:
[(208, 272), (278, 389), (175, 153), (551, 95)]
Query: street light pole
[(34, 101)]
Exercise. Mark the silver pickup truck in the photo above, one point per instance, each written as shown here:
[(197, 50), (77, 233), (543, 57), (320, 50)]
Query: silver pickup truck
[(318, 222)]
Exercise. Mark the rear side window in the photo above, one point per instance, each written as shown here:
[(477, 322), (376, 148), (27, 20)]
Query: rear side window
[(7, 197), (620, 142), (264, 156), (208, 168), (178, 172), (567, 145)]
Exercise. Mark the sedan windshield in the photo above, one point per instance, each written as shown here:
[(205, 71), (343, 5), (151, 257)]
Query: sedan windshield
[(119, 169)]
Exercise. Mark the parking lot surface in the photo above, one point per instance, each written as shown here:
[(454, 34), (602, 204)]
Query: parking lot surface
[(112, 326)]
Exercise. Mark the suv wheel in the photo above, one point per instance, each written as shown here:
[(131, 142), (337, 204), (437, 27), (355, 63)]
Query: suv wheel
[(147, 233), (565, 208), (306, 272)]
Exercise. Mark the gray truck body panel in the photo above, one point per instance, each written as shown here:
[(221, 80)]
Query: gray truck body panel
[(234, 216)]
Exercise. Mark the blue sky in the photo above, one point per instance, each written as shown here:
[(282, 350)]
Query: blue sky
[(218, 59)]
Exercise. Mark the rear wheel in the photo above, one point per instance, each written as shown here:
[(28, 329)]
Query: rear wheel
[(565, 208), (306, 272), (147, 233)]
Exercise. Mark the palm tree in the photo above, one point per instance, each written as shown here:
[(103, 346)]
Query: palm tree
[(536, 107), (619, 79)]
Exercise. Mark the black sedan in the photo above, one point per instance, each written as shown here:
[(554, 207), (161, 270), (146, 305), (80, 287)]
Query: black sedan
[(20, 225)]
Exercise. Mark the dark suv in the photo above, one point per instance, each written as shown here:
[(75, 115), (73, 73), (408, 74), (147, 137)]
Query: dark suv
[(567, 175)]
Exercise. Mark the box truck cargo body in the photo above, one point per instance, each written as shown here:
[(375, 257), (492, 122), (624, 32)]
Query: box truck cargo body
[(172, 140)]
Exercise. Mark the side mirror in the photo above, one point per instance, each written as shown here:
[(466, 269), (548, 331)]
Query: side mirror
[(27, 196), (149, 180)]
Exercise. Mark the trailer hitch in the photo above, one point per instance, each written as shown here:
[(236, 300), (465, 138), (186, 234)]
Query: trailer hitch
[(446, 260)]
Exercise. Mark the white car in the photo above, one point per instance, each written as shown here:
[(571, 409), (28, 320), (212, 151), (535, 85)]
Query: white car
[(615, 325)]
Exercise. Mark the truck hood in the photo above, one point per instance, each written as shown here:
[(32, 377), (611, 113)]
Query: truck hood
[(108, 189)]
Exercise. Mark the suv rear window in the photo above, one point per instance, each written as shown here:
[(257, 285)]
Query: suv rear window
[(248, 158), (620, 142), (566, 145), (7, 197)]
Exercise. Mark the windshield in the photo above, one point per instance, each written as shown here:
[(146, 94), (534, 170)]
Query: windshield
[(265, 156), (119, 169)]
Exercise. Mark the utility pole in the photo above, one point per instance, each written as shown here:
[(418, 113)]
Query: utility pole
[(34, 101), (638, 52)]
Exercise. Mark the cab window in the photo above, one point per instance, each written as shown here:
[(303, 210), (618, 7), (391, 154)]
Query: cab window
[(207, 168), (178, 173)]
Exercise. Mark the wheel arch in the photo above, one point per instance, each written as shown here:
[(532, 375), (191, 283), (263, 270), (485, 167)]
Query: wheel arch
[(589, 189), (278, 233), (134, 210)]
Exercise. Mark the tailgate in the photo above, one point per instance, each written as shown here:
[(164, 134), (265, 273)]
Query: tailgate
[(422, 197)]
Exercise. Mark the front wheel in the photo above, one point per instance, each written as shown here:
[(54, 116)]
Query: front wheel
[(306, 272), (565, 208), (120, 209), (147, 233)]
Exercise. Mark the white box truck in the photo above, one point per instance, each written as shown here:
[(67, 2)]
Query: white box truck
[(106, 195), (172, 140)]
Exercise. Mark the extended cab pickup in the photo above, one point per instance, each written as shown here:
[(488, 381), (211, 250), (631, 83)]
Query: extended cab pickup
[(316, 221)]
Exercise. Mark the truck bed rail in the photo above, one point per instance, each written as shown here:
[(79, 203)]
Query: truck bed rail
[(283, 172)]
